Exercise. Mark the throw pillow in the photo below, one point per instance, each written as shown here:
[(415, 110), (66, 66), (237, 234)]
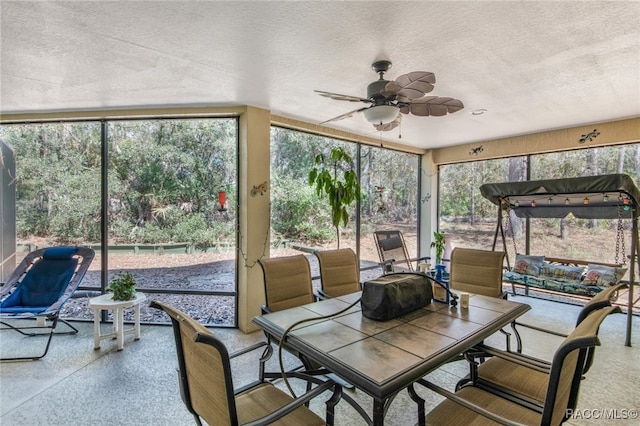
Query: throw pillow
[(602, 275), (562, 272), (529, 265)]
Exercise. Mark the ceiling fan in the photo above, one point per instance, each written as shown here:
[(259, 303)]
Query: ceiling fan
[(388, 99)]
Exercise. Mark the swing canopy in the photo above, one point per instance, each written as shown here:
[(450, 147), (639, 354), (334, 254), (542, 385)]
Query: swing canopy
[(610, 196), (613, 196)]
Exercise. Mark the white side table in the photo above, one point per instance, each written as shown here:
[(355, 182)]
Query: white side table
[(106, 302)]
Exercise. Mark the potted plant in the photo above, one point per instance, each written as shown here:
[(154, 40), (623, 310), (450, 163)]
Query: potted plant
[(338, 180), (438, 244), (123, 287)]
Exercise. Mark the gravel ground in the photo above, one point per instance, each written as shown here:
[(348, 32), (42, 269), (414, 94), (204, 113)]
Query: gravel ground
[(202, 271)]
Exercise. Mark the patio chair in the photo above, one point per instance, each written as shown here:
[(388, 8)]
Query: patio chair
[(492, 372), (207, 389), (339, 272), (38, 289), (480, 272), (393, 253), (288, 284), (555, 393)]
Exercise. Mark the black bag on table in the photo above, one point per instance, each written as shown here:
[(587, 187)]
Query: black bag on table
[(392, 295)]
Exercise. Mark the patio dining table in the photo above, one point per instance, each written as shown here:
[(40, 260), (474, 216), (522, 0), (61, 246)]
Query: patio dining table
[(382, 358)]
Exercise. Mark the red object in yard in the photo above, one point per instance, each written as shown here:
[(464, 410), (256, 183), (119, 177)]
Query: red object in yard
[(222, 199)]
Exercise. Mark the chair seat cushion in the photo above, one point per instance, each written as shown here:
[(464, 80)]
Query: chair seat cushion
[(266, 398), (450, 413), (516, 378)]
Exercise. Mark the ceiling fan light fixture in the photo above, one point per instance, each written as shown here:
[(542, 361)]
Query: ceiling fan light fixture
[(381, 114)]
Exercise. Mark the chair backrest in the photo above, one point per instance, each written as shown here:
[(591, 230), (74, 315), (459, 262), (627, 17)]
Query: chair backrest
[(45, 279), (206, 384), (287, 282), (391, 246), (339, 272), (477, 271), (566, 367), (600, 300)]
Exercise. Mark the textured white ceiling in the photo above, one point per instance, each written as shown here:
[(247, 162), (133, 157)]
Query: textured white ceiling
[(533, 66)]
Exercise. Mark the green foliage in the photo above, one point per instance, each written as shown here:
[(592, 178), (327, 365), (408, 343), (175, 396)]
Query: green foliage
[(297, 213), (123, 287), (161, 173), (336, 179), (438, 243)]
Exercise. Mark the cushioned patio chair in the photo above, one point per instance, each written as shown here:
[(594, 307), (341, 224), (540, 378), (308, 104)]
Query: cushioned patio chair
[(339, 272), (393, 253), (38, 289), (206, 382), (548, 397)]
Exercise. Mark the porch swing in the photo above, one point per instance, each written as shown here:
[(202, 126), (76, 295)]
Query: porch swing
[(613, 196)]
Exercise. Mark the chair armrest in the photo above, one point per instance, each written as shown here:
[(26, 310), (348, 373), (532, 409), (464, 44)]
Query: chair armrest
[(321, 295), (264, 309), (543, 330), (461, 401), (300, 401), (387, 265), (248, 349), (517, 358)]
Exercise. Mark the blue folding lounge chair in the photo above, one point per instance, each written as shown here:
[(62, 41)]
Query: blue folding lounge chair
[(38, 289)]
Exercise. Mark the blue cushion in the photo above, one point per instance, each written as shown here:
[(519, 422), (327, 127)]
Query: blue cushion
[(44, 283)]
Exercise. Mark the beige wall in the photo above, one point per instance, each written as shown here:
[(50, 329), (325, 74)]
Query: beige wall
[(254, 169), (611, 133)]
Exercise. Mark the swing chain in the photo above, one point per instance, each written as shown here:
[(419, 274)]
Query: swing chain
[(509, 227), (620, 247)]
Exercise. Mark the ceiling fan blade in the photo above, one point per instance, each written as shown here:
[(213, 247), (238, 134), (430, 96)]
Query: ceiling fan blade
[(389, 126), (345, 115), (412, 85), (434, 105), (339, 97)]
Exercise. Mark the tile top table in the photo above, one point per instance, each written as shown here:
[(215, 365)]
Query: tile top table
[(383, 357)]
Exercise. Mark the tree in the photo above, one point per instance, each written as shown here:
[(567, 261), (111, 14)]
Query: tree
[(342, 190)]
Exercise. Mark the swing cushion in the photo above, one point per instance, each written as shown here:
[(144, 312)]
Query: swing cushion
[(603, 276), (529, 265), (562, 273)]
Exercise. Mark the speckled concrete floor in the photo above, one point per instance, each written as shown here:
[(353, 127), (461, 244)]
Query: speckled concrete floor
[(75, 385)]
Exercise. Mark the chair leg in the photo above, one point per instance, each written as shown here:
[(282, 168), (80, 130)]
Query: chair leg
[(420, 402), (508, 337), (518, 338), (54, 322), (331, 405)]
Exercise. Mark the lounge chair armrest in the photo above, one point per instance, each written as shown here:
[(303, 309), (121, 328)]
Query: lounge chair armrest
[(300, 401), (461, 401)]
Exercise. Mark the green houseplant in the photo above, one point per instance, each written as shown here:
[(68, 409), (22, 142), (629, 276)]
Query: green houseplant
[(336, 178), (123, 287), (438, 244)]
